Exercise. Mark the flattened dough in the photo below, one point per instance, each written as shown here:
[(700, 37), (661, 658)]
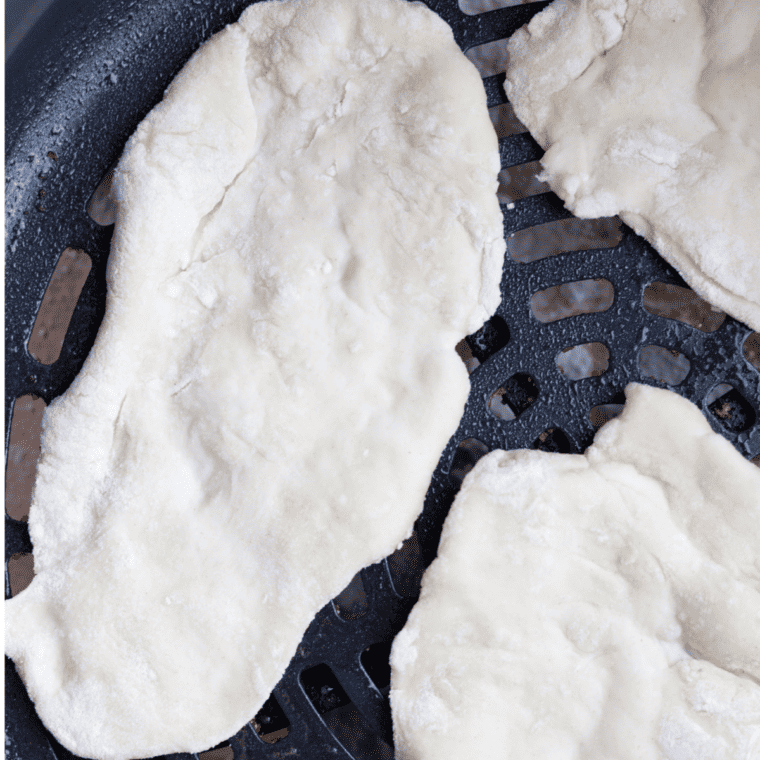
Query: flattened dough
[(650, 109), (307, 225), (556, 619)]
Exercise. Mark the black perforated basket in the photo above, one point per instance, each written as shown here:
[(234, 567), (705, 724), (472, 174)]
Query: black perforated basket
[(78, 85)]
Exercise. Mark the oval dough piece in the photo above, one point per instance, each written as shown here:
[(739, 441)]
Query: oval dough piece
[(650, 109), (596, 606), (307, 225)]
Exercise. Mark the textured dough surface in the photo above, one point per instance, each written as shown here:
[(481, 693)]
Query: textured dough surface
[(556, 619), (307, 225), (650, 109)]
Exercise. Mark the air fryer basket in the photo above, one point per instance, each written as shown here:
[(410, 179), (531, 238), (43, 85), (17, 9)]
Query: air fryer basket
[(76, 89)]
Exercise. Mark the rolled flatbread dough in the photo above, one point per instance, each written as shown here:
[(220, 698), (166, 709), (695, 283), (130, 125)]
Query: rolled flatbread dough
[(650, 109), (596, 606), (307, 225)]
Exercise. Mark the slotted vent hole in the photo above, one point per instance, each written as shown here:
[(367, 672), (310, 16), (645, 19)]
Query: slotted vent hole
[(23, 453), (583, 361), (665, 365), (603, 413), (222, 752), (351, 603), (751, 350), (520, 392), (732, 410), (101, 208), (20, 572), (563, 236), (571, 299), (405, 567), (505, 121), (499, 408), (58, 306), (520, 181), (466, 456), (517, 394), (490, 339), (553, 440), (474, 7), (682, 304), (376, 661), (322, 688), (341, 716), (465, 354), (716, 392), (490, 58), (271, 724)]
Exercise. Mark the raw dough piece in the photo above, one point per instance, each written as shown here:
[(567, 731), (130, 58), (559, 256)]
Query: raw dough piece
[(307, 225), (556, 619), (650, 109)]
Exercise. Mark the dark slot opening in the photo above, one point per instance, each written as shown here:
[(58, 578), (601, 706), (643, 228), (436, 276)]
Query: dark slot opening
[(465, 458), (562, 236), (405, 568), (271, 723), (602, 414), (351, 729), (58, 304), (20, 572), (341, 716), (101, 207), (584, 361), (665, 365), (351, 603), (505, 122), (554, 441), (322, 688), (682, 304), (520, 181), (474, 7), (222, 751), (751, 350), (572, 299), (376, 661), (733, 411), (465, 354), (23, 453), (498, 407), (520, 392), (492, 337), (490, 58)]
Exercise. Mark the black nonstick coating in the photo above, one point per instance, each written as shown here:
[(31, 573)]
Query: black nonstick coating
[(77, 86)]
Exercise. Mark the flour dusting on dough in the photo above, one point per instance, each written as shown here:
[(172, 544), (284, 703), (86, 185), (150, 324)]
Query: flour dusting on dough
[(307, 226), (603, 605), (650, 109)]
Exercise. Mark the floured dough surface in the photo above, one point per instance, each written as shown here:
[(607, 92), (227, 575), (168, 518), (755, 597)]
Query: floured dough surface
[(650, 109), (307, 225), (596, 606)]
